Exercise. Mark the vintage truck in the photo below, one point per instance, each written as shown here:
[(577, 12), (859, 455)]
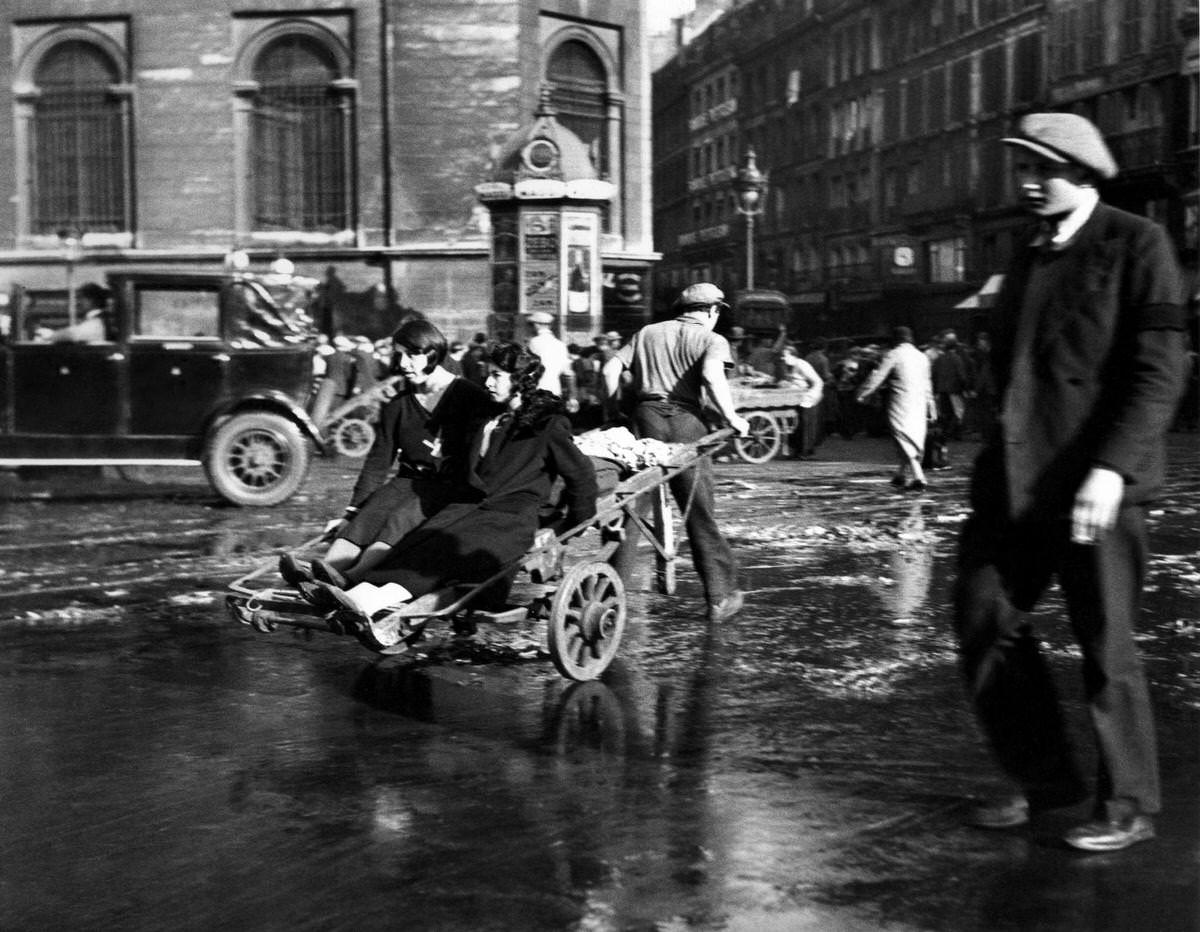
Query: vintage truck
[(205, 368)]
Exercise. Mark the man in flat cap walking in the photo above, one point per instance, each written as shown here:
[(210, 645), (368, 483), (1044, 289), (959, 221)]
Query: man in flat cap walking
[(673, 363), (1089, 353)]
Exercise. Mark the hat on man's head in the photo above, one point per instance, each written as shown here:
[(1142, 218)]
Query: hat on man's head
[(1065, 138), (702, 294), (541, 317), (612, 335)]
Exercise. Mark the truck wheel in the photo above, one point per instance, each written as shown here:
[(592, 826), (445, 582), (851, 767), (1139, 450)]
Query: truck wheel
[(256, 458)]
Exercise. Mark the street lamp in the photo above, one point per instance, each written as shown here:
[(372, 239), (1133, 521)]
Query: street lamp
[(72, 241), (750, 186)]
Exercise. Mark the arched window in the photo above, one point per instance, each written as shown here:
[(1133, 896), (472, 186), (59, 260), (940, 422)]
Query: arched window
[(79, 143), (298, 139), (579, 92)]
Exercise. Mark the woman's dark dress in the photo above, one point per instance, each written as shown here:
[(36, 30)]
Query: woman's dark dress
[(429, 450), (470, 541)]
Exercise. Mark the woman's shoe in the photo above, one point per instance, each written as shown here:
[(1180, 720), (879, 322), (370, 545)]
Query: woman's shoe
[(898, 481), (323, 572), (293, 571), (318, 595), (915, 486)]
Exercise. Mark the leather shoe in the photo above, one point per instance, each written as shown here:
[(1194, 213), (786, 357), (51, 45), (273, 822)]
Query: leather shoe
[(293, 571), (727, 607), (1111, 835), (319, 596), (323, 572), (1000, 812)]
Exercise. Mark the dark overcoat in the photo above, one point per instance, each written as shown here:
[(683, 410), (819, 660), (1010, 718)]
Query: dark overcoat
[(1106, 369), (469, 541)]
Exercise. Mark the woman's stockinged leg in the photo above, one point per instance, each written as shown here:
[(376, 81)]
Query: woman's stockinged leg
[(343, 554), (368, 559)]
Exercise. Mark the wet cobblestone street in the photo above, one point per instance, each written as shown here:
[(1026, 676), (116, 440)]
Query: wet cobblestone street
[(805, 766)]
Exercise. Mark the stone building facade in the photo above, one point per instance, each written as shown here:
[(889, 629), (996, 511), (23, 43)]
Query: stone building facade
[(889, 197), (344, 135)]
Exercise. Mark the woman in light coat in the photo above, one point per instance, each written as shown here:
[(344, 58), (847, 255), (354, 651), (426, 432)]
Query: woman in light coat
[(909, 406)]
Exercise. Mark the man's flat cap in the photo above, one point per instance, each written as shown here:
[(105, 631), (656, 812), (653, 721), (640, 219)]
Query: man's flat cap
[(702, 294), (1065, 137)]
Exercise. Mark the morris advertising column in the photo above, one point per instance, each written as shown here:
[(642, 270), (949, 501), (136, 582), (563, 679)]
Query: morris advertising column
[(545, 202)]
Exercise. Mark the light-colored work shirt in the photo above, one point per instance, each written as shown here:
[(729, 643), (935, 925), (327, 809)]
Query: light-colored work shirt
[(554, 356), (667, 360)]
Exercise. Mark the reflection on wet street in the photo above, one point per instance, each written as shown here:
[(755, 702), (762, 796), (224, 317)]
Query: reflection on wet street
[(804, 766)]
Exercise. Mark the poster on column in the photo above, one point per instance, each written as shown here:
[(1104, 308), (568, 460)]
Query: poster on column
[(582, 238), (539, 262)]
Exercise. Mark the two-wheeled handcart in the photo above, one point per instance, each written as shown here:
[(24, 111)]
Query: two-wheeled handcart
[(565, 576)]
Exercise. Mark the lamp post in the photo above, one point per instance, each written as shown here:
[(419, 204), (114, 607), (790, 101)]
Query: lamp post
[(750, 185), (72, 240)]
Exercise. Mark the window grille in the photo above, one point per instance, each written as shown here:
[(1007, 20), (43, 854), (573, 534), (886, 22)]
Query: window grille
[(298, 140), (79, 144)]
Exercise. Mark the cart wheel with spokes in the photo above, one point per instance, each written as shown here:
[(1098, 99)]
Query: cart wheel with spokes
[(352, 436), (587, 619), (764, 441)]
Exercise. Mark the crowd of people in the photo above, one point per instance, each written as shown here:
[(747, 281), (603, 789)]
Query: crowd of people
[(1072, 402)]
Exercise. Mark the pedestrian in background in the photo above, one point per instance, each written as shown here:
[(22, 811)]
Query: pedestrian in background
[(848, 376), (951, 382), (454, 357), (796, 372), (673, 364), (905, 370), (981, 401), (558, 378), (474, 363), (818, 358), (1089, 353)]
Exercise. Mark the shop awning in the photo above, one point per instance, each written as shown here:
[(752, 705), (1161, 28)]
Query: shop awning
[(985, 296)]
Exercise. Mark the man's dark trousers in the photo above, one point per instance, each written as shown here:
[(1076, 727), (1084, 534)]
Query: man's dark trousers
[(693, 493), (1004, 568)]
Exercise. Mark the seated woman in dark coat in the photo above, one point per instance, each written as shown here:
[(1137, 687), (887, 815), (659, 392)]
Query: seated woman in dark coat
[(514, 458), (424, 432)]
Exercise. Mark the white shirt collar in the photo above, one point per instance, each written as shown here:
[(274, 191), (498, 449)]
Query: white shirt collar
[(1071, 224)]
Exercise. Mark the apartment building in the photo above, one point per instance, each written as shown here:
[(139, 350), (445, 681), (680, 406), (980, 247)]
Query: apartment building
[(889, 197)]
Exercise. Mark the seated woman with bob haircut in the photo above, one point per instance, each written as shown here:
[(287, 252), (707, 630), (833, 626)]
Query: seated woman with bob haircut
[(514, 457), (423, 431)]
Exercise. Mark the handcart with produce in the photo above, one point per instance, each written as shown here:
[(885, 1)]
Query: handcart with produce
[(772, 409), (564, 577)]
